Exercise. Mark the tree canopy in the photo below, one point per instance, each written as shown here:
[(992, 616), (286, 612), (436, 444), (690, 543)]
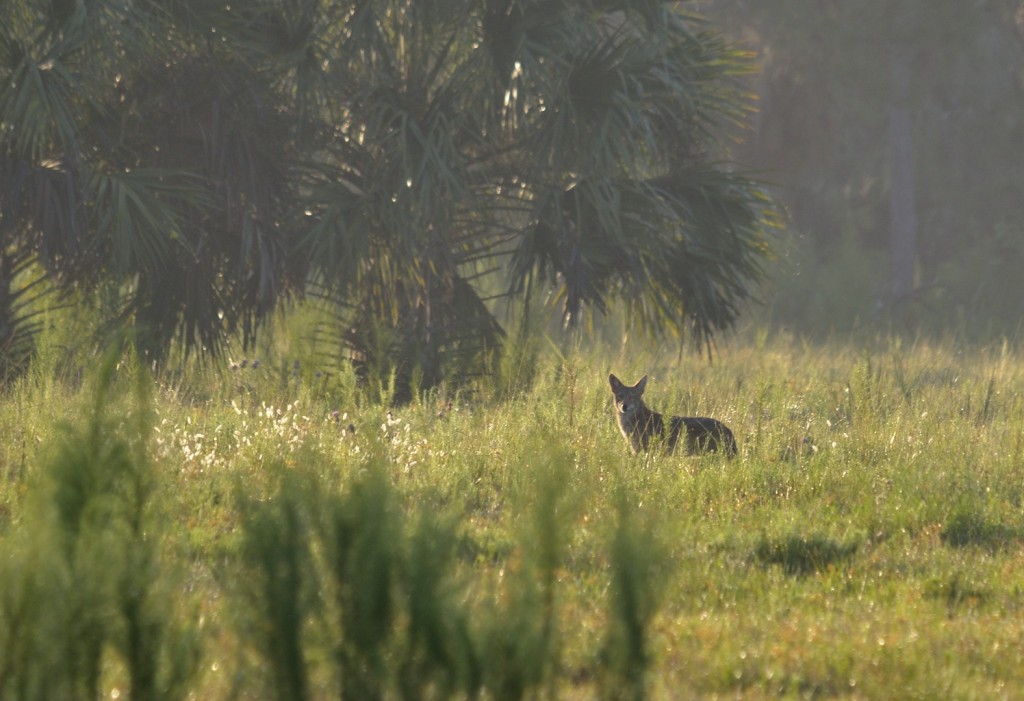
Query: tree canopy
[(202, 161)]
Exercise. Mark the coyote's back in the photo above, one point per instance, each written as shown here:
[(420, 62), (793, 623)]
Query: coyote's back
[(639, 424)]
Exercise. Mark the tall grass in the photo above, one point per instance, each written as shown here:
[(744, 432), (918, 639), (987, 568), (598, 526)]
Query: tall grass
[(264, 533)]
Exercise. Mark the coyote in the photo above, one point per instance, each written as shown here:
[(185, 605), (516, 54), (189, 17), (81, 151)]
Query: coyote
[(639, 424)]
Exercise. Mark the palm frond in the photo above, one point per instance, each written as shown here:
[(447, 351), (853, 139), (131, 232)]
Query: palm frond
[(140, 217), (41, 208), (37, 108), (23, 292), (712, 262)]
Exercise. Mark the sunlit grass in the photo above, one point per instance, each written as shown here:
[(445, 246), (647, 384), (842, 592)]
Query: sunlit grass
[(868, 541)]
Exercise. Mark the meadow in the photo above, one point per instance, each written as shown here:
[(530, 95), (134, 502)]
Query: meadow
[(271, 530)]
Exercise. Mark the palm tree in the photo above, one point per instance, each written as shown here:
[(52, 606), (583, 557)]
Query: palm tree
[(573, 145), (142, 155), (202, 160)]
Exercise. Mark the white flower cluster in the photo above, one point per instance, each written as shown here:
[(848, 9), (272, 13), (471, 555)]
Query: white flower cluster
[(197, 450), (288, 426), (258, 434), (269, 433), (405, 449)]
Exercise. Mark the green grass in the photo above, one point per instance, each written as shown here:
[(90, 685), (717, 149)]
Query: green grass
[(501, 542)]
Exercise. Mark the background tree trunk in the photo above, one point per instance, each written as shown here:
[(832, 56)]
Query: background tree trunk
[(902, 200)]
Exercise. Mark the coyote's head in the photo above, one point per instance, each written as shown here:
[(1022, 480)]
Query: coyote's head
[(628, 400)]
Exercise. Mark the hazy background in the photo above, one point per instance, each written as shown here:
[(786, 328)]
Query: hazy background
[(893, 132)]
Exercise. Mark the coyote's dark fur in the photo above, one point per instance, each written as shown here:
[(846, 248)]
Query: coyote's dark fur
[(639, 424)]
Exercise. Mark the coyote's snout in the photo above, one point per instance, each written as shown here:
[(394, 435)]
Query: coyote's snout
[(639, 424)]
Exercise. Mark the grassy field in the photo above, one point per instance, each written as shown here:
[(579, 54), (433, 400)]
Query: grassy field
[(269, 532)]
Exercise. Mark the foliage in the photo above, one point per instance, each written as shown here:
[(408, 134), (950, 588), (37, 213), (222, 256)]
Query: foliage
[(636, 559), (972, 297), (83, 582), (406, 160)]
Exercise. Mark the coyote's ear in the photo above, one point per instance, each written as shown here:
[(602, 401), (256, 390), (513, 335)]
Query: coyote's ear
[(615, 383), (639, 386)]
